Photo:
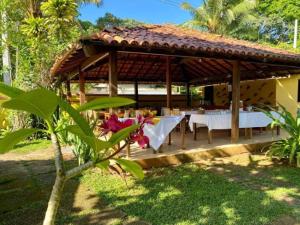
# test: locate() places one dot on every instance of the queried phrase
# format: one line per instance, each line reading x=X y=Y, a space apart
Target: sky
x=147 y=11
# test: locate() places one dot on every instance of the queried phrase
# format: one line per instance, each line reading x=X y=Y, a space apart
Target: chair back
x=165 y=111
x=176 y=112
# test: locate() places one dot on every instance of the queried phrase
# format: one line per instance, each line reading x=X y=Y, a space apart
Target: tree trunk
x=58 y=187
x=5 y=54
x=54 y=201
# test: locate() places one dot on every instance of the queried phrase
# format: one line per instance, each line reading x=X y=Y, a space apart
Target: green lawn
x=239 y=190
x=30 y=146
x=189 y=195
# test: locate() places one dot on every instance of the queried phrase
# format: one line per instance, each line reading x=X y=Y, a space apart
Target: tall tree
x=278 y=19
x=19 y=50
x=6 y=58
x=287 y=9
x=110 y=20
x=6 y=61
x=221 y=16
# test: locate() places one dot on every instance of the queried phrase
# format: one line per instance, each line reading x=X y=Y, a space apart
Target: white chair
x=176 y=112
x=165 y=111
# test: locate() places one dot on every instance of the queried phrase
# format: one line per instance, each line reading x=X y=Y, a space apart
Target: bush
x=288 y=148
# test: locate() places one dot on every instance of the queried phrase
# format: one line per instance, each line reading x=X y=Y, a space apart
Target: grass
x=30 y=146
x=235 y=191
x=188 y=195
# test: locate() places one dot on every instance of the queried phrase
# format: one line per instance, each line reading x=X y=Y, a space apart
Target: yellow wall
x=252 y=93
x=287 y=93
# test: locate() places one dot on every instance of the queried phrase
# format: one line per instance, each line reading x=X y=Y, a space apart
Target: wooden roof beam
x=93 y=60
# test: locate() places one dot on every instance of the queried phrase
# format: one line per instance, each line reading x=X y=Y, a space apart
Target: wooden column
x=168 y=82
x=235 y=102
x=136 y=94
x=112 y=75
x=188 y=95
x=82 y=97
x=68 y=89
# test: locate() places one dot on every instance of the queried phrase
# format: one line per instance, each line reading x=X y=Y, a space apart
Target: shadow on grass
x=189 y=194
x=25 y=188
x=222 y=193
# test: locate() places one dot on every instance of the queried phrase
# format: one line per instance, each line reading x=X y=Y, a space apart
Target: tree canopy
x=289 y=10
x=38 y=31
x=109 y=20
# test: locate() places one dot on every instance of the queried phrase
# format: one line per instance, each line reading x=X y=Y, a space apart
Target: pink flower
x=113 y=124
x=140 y=138
x=144 y=120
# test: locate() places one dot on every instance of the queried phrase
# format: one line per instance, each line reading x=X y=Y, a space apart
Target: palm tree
x=220 y=16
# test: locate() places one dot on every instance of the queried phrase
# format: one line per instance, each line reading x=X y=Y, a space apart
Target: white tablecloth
x=188 y=113
x=220 y=121
x=158 y=133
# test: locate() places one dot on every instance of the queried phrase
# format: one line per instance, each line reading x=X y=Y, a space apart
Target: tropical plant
x=47 y=28
x=287 y=148
x=221 y=16
x=103 y=151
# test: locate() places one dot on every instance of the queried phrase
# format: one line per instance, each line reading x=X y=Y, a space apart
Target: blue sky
x=148 y=11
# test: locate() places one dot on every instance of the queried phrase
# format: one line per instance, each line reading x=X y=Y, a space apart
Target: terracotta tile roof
x=174 y=40
x=170 y=36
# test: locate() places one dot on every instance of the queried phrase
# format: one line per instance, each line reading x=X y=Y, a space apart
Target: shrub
x=287 y=148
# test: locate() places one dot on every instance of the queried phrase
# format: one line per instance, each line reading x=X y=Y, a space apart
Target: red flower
x=113 y=124
x=144 y=120
x=140 y=138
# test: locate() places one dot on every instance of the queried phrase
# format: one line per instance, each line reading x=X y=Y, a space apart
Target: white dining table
x=221 y=120
x=158 y=133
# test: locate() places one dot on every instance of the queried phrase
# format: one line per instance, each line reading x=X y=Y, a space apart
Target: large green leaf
x=131 y=167
x=9 y=91
x=13 y=138
x=40 y=102
x=79 y=120
x=96 y=144
x=122 y=134
x=105 y=103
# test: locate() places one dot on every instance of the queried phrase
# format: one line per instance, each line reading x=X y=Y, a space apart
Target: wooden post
x=68 y=88
x=182 y=132
x=209 y=134
x=170 y=138
x=235 y=102
x=82 y=97
x=168 y=82
x=188 y=95
x=136 y=94
x=194 y=131
x=112 y=76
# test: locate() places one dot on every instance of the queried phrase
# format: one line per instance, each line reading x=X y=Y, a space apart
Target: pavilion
x=168 y=54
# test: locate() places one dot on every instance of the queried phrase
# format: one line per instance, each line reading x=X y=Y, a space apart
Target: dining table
x=161 y=129
x=221 y=120
x=158 y=133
